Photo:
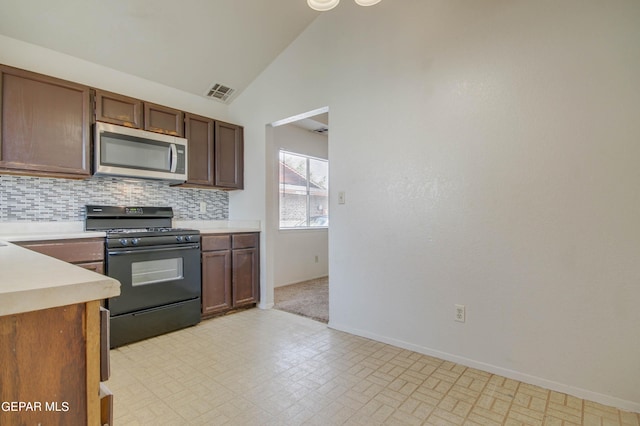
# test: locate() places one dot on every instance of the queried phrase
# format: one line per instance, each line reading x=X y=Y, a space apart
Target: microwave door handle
x=174 y=158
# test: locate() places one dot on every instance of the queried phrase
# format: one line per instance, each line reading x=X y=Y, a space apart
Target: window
x=304 y=191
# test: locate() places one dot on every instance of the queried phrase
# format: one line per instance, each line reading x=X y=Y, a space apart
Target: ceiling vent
x=220 y=92
x=321 y=130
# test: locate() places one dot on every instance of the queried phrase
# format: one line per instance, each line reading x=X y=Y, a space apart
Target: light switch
x=341 y=197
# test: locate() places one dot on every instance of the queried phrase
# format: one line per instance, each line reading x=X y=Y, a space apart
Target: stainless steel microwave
x=124 y=151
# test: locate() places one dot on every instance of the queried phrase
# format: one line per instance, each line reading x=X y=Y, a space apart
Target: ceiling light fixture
x=367 y=2
x=324 y=5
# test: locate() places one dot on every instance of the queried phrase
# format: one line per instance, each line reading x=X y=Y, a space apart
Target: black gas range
x=146 y=237
x=158 y=268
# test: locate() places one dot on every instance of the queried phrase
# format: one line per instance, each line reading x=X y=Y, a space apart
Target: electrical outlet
x=316 y=258
x=203 y=207
x=460 y=313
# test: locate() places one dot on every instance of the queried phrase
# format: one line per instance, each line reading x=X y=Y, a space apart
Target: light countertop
x=36 y=231
x=226 y=230
x=219 y=226
x=31 y=281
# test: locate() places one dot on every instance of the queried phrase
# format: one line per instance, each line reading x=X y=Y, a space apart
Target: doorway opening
x=298 y=189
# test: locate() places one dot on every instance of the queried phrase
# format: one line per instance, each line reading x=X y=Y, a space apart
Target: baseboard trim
x=265 y=305
x=619 y=403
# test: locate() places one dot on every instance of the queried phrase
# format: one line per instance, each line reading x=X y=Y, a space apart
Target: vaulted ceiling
x=188 y=44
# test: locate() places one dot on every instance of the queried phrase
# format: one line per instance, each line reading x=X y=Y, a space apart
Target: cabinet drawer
x=240 y=241
x=215 y=242
x=72 y=251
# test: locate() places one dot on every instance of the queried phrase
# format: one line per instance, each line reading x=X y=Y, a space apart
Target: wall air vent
x=220 y=92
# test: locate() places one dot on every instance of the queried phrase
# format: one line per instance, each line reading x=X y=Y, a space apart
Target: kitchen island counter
x=30 y=281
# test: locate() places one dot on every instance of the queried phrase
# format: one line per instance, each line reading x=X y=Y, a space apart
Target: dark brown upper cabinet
x=118 y=109
x=216 y=153
x=229 y=156
x=199 y=133
x=161 y=119
x=44 y=125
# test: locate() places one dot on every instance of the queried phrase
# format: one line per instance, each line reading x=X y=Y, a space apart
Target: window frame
x=307 y=158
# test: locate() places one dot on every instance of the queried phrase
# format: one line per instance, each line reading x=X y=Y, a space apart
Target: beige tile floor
x=260 y=367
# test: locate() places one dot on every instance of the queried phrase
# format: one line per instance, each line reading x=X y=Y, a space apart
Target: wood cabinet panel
x=72 y=251
x=244 y=276
x=230 y=271
x=216 y=294
x=59 y=353
x=87 y=253
x=229 y=156
x=239 y=241
x=44 y=125
x=199 y=133
x=118 y=109
x=216 y=153
x=215 y=242
x=106 y=406
x=161 y=119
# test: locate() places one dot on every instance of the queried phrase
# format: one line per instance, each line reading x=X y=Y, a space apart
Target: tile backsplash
x=36 y=199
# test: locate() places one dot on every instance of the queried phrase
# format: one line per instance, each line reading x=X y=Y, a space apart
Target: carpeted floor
x=308 y=298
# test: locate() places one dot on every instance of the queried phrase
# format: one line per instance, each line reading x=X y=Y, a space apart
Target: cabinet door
x=161 y=119
x=245 y=276
x=216 y=281
x=118 y=109
x=229 y=156
x=45 y=125
x=199 y=133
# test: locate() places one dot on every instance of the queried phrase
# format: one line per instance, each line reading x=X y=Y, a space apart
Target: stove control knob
x=135 y=241
x=187 y=238
x=124 y=241
x=179 y=238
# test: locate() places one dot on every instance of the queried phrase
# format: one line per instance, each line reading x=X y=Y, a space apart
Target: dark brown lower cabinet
x=87 y=253
x=216 y=282
x=230 y=272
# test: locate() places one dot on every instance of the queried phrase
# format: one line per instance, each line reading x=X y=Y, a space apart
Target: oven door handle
x=141 y=250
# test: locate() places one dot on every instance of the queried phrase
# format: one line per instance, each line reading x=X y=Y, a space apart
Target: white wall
x=489 y=152
x=295 y=250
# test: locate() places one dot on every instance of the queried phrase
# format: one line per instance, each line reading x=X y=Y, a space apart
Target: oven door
x=153 y=276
